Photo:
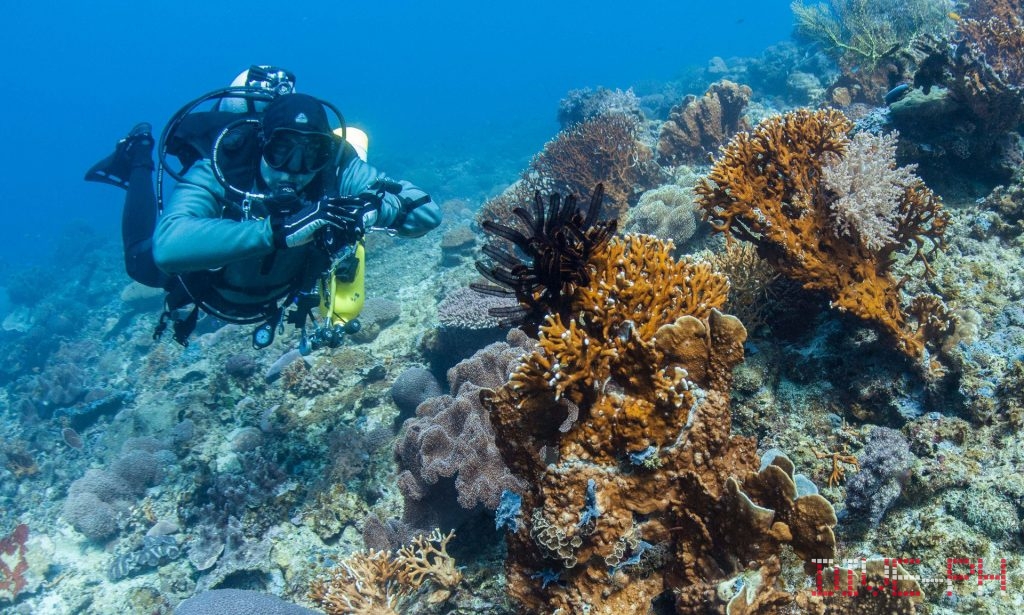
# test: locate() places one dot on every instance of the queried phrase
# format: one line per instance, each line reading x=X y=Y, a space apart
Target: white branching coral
x=384 y=583
x=870 y=189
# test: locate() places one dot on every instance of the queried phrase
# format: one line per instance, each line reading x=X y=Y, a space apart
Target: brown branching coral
x=768 y=189
x=995 y=28
x=384 y=583
x=642 y=370
x=605 y=149
x=697 y=127
x=750 y=282
x=556 y=245
x=839 y=460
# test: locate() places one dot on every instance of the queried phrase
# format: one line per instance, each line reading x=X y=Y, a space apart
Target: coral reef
x=751 y=280
x=239 y=602
x=641 y=372
x=13 y=563
x=465 y=324
x=154 y=551
x=456 y=245
x=603 y=150
x=413 y=387
x=963 y=116
x=96 y=501
x=378 y=314
x=584 y=104
x=385 y=583
x=995 y=29
x=884 y=466
x=768 y=188
x=697 y=127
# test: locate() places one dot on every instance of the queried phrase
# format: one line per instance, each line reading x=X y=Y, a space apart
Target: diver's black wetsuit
x=138 y=220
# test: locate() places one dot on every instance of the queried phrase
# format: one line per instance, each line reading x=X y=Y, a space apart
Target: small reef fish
x=897 y=93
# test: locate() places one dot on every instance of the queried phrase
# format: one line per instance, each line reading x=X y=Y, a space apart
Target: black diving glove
x=293 y=228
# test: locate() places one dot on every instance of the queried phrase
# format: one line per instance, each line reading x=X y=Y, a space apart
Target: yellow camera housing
x=342 y=301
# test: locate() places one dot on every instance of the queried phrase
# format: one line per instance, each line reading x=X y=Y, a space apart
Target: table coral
x=768 y=188
x=641 y=371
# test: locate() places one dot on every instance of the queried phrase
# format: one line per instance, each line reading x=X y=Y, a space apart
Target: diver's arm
x=410 y=213
x=192 y=236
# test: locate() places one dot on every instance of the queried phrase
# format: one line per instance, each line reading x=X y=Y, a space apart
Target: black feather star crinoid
x=549 y=259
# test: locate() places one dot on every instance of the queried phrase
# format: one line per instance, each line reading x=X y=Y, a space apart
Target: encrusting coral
x=619 y=421
x=384 y=583
x=769 y=188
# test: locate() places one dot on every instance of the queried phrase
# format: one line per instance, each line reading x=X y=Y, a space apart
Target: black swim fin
x=134 y=150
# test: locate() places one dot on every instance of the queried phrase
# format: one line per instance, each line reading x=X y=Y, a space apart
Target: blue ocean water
x=444 y=79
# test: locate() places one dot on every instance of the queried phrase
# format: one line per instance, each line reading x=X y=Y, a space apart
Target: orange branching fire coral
x=648 y=494
x=768 y=188
x=384 y=583
x=636 y=296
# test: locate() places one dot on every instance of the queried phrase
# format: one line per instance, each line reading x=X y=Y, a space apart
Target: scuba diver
x=265 y=224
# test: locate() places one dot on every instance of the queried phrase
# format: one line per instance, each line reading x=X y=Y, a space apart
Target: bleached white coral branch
x=870 y=187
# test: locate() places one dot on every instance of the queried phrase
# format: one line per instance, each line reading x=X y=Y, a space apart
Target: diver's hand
x=299 y=228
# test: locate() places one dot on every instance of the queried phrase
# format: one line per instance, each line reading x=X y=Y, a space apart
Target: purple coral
x=412 y=387
x=464 y=309
x=452 y=438
x=884 y=468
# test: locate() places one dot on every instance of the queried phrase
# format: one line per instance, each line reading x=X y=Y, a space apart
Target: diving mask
x=297 y=152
